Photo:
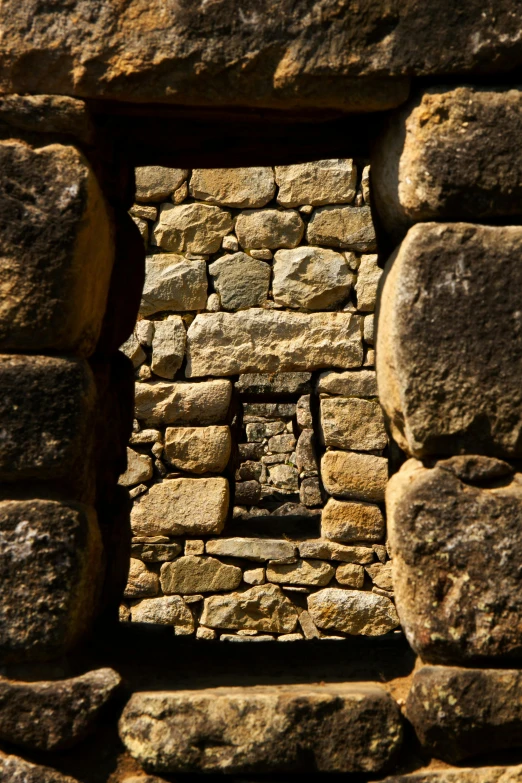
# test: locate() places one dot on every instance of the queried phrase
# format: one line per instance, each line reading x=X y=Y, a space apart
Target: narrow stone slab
x=352 y=383
x=56 y=260
x=183 y=403
x=252 y=548
x=264 y=729
x=461 y=775
x=460 y=713
x=251 y=186
x=456 y=553
x=259 y=340
x=304 y=572
x=50 y=555
x=184 y=506
x=352 y=611
x=56 y=714
x=192 y=575
x=435 y=333
x=261 y=608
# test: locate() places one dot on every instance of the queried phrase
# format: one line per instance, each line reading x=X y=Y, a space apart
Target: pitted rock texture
x=460 y=713
x=446 y=375
x=16 y=770
x=352 y=611
x=311 y=277
x=269 y=228
x=349 y=228
x=456 y=554
x=55 y=714
x=327 y=728
x=182 y=506
x=173 y=282
x=47 y=418
x=266 y=341
x=352 y=423
x=183 y=403
x=50 y=575
x=317 y=183
x=198 y=449
x=450 y=154
x=194 y=228
x=56 y=258
x=261 y=608
x=238 y=187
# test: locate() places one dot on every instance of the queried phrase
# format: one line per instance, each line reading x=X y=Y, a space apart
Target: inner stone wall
x=258 y=461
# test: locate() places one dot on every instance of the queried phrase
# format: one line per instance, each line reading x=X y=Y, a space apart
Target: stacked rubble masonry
x=258 y=460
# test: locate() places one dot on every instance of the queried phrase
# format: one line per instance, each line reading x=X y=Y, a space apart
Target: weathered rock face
x=56 y=261
x=311 y=277
x=262 y=608
x=165 y=610
x=183 y=403
x=476 y=775
x=16 y=770
x=368 y=277
x=448 y=554
x=141 y=582
x=446 y=376
x=189 y=506
x=198 y=449
x=269 y=228
x=317 y=183
x=353 y=383
x=267 y=341
x=48 y=114
x=55 y=444
x=303 y=572
x=458 y=713
x=49 y=557
x=240 y=281
x=196 y=228
x=173 y=282
x=450 y=155
x=348 y=474
x=157 y=183
x=168 y=346
x=55 y=714
x=191 y=575
x=352 y=423
x=352 y=611
x=350 y=228
x=330 y=728
x=319 y=548
x=139 y=468
x=252 y=548
x=345 y=520
x=238 y=187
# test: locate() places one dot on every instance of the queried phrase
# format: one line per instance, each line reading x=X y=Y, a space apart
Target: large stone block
x=311 y=277
x=55 y=714
x=352 y=423
x=355 y=612
x=57 y=256
x=267 y=341
x=194 y=228
x=50 y=575
x=198 y=449
x=331 y=728
x=173 y=282
x=234 y=187
x=456 y=554
x=47 y=418
x=269 y=228
x=458 y=713
x=349 y=228
x=182 y=506
x=319 y=182
x=448 y=340
x=450 y=154
x=348 y=474
x=261 y=608
x=183 y=403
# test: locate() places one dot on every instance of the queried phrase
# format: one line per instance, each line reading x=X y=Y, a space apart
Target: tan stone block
x=348 y=474
x=165 y=610
x=168 y=346
x=349 y=228
x=268 y=341
x=192 y=575
x=157 y=183
x=311 y=277
x=353 y=423
x=196 y=228
x=352 y=611
x=304 y=572
x=368 y=277
x=183 y=403
x=252 y=548
x=318 y=182
x=352 y=383
x=269 y=228
x=329 y=550
x=141 y=581
x=139 y=468
x=198 y=449
x=381 y=575
x=182 y=507
x=263 y=608
x=345 y=520
x=173 y=282
x=350 y=575
x=240 y=281
x=234 y=187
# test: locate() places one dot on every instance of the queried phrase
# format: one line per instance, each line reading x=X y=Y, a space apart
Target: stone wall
x=258 y=461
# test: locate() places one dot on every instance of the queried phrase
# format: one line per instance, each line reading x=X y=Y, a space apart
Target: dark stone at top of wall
x=56 y=114
x=286 y=54
x=450 y=154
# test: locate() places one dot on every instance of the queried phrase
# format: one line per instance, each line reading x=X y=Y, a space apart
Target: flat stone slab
x=477 y=775
x=327 y=728
x=16 y=770
x=460 y=713
x=456 y=551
